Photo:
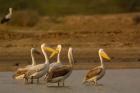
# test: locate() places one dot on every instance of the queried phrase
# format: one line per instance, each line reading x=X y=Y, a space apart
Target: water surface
x=114 y=81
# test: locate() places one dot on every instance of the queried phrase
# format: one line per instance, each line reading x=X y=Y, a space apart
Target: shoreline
x=85 y=58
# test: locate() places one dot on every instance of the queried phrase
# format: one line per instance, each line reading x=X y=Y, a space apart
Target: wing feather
x=36 y=69
x=59 y=71
x=93 y=72
x=20 y=72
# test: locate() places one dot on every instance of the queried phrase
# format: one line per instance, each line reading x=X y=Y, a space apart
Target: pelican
x=7 y=17
x=58 y=62
x=37 y=71
x=61 y=73
x=21 y=71
x=98 y=72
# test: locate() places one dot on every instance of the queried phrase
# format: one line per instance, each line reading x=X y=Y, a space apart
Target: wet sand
x=115 y=81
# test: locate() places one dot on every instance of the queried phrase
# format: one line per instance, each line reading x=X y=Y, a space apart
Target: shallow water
x=114 y=81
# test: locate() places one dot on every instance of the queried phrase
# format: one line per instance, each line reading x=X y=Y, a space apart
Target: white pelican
x=37 y=71
x=61 y=73
x=58 y=62
x=7 y=17
x=98 y=72
x=21 y=71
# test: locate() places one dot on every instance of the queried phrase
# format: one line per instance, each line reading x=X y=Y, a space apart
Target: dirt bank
x=117 y=34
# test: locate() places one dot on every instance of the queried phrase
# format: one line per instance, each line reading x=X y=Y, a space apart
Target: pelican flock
x=98 y=72
x=7 y=17
x=57 y=72
x=33 y=71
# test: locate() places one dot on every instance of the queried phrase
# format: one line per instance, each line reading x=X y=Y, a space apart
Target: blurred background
x=70 y=7
x=86 y=25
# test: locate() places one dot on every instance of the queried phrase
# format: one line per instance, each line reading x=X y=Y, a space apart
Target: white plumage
x=37 y=71
x=97 y=72
x=59 y=74
x=21 y=71
x=58 y=62
x=7 y=17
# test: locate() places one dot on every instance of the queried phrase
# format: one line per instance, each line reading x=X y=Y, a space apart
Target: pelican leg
x=63 y=83
x=94 y=83
x=31 y=80
x=26 y=80
x=38 y=81
x=58 y=83
x=45 y=77
x=47 y=83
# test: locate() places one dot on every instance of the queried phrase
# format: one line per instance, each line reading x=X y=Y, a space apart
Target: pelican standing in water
x=98 y=72
x=21 y=71
x=37 y=71
x=61 y=73
x=58 y=62
x=7 y=17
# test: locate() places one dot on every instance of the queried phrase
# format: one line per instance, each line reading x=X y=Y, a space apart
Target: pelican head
x=103 y=54
x=59 y=47
x=43 y=45
x=35 y=50
x=54 y=51
x=57 y=50
x=10 y=10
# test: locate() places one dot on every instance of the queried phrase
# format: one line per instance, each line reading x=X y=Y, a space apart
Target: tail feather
x=20 y=77
x=4 y=20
